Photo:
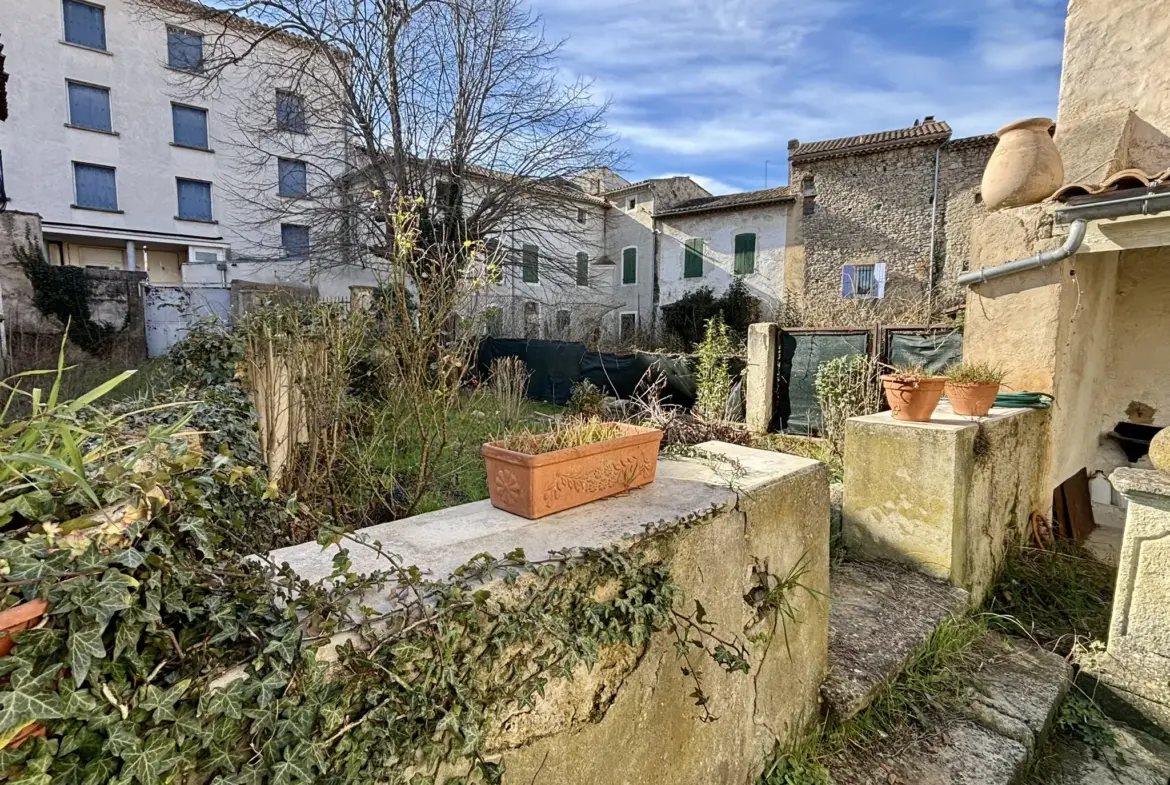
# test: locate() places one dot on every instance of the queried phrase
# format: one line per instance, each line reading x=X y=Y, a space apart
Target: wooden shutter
x=630 y=265
x=693 y=260
x=745 y=254
x=582 y=268
x=848 y=281
x=530 y=264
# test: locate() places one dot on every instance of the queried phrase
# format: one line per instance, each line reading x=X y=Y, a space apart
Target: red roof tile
x=709 y=204
x=1121 y=181
x=923 y=133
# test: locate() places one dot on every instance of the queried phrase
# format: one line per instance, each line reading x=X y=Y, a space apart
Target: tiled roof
x=710 y=204
x=201 y=11
x=923 y=133
x=1122 y=181
x=645 y=183
x=983 y=140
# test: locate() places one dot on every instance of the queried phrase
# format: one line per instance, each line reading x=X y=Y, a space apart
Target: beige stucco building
x=1092 y=329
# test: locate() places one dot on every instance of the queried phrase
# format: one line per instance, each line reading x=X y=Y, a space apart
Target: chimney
x=793 y=144
x=928 y=119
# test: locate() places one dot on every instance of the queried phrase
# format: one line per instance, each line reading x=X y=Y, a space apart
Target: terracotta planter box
x=972 y=400
x=534 y=486
x=13 y=621
x=913 y=401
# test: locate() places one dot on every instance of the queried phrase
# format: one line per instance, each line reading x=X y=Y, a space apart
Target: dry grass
x=976 y=373
x=567 y=433
x=508 y=382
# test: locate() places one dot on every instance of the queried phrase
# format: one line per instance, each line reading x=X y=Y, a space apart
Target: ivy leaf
x=162 y=702
x=149 y=762
x=35 y=644
x=270 y=686
x=228 y=701
x=287 y=647
x=122 y=739
x=27 y=698
x=126 y=638
x=100 y=771
x=85 y=644
x=289 y=772
x=131 y=558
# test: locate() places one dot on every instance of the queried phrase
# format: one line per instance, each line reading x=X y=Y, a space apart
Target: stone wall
x=114 y=337
x=717 y=524
x=878 y=207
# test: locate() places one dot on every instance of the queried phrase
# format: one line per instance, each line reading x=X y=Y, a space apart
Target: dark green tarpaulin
x=935 y=351
x=795 y=409
x=555 y=366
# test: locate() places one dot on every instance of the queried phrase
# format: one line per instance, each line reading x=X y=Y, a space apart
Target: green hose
x=1024 y=400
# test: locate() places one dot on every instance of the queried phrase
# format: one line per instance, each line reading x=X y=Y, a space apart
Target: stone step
x=990 y=739
x=879 y=614
x=1135 y=758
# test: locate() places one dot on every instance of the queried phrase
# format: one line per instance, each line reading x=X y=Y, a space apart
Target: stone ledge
x=1130 y=481
x=943 y=419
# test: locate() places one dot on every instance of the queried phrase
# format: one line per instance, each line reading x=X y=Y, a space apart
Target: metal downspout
x=1076 y=236
x=933 y=231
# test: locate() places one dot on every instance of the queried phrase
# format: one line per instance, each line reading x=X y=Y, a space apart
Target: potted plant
x=579 y=461
x=912 y=392
x=971 y=387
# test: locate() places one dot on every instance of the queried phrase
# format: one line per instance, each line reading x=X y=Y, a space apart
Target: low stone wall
x=948 y=496
x=719 y=524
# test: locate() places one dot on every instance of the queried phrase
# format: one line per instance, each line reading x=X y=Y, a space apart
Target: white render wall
x=718 y=231
x=39 y=149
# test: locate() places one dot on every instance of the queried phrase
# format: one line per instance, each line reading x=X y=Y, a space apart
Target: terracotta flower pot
x=17 y=619
x=534 y=486
x=972 y=400
x=913 y=401
x=1025 y=168
x=13 y=621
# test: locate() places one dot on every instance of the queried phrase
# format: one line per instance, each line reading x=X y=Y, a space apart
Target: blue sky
x=713 y=88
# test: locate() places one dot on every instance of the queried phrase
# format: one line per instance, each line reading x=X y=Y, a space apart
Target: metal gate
x=171 y=312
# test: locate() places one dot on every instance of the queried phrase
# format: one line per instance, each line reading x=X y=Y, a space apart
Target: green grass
x=805 y=447
x=1058 y=597
x=933 y=680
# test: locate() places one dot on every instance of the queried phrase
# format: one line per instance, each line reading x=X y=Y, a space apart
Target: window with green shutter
x=630 y=265
x=745 y=253
x=530 y=264
x=582 y=268
x=693 y=261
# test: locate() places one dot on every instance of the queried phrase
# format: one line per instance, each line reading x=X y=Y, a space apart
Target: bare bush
x=508 y=383
x=846 y=387
x=678 y=426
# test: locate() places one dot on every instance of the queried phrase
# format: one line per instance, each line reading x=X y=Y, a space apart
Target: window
x=629 y=266
x=808 y=187
x=294 y=177
x=582 y=268
x=190 y=126
x=693 y=258
x=446 y=193
x=810 y=206
x=184 y=49
x=745 y=253
x=493 y=319
x=627 y=326
x=294 y=239
x=531 y=320
x=290 y=112
x=582 y=215
x=632 y=203
x=564 y=319
x=85 y=24
x=530 y=264
x=194 y=200
x=863 y=280
x=95 y=187
x=89 y=107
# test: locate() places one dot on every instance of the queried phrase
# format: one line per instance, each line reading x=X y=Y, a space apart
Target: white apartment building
x=131 y=165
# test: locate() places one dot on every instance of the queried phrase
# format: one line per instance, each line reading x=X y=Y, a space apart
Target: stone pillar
x=947 y=496
x=131 y=255
x=760 y=376
x=1137 y=661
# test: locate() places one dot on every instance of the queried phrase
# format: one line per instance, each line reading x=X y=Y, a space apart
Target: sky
x=716 y=88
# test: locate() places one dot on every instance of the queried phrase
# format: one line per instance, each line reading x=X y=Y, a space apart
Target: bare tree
x=452 y=107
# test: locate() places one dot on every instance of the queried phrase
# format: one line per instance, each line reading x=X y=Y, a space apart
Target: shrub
x=712 y=377
x=587 y=399
x=687 y=318
x=209 y=354
x=846 y=387
x=508 y=383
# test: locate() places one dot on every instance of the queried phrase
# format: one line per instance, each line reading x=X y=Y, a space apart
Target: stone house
x=884 y=222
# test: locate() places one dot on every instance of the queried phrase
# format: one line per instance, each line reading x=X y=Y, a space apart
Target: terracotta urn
x=534 y=486
x=1160 y=450
x=913 y=400
x=1025 y=168
x=972 y=400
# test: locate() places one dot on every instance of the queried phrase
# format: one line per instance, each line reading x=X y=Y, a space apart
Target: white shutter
x=879 y=279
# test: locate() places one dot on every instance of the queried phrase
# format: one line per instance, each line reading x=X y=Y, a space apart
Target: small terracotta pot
x=17 y=619
x=1025 y=168
x=534 y=486
x=13 y=621
x=972 y=400
x=913 y=401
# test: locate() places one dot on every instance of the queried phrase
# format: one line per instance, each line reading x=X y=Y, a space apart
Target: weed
x=712 y=377
x=795 y=768
x=805 y=447
x=846 y=387
x=564 y=435
x=1057 y=597
x=976 y=373
x=587 y=399
x=508 y=382
x=1081 y=718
